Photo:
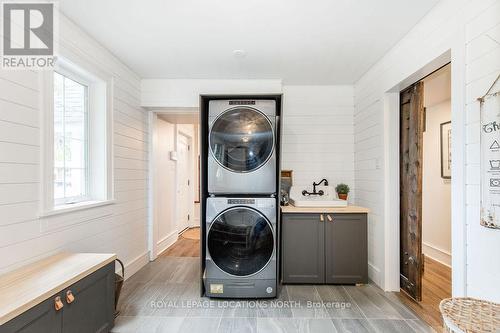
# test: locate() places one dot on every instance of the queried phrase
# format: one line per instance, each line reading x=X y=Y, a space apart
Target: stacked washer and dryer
x=240 y=202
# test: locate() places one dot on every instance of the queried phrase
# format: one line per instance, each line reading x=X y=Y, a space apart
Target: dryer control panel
x=241 y=201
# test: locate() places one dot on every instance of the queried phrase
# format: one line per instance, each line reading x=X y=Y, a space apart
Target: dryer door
x=241 y=139
x=240 y=241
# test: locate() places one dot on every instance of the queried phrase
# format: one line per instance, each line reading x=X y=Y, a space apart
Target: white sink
x=328 y=199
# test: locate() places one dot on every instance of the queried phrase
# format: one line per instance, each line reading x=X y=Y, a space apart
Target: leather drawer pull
x=58 y=304
x=321 y=218
x=329 y=218
x=70 y=298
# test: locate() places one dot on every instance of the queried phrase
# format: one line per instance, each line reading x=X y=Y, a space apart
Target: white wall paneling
x=164 y=93
x=318 y=132
x=482 y=49
x=119 y=228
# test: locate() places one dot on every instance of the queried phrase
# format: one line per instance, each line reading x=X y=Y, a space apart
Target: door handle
x=330 y=219
x=58 y=304
x=321 y=218
x=70 y=298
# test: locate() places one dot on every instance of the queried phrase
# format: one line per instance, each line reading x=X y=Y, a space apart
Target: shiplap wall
x=318 y=134
x=120 y=228
x=482 y=33
x=476 y=23
x=178 y=93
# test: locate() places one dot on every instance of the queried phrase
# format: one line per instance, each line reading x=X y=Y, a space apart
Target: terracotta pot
x=342 y=196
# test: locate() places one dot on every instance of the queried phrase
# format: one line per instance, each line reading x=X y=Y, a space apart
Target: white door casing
x=184 y=182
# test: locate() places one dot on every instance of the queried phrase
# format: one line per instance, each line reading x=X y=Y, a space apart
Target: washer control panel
x=241 y=201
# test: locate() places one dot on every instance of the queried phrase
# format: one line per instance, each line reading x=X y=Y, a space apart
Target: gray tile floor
x=164 y=297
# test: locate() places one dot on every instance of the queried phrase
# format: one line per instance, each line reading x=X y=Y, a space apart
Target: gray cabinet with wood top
x=85 y=306
x=324 y=248
x=346 y=252
x=302 y=249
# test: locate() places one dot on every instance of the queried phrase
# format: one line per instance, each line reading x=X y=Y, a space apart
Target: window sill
x=65 y=209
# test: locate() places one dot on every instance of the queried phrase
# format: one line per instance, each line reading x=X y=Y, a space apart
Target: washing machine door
x=241 y=139
x=240 y=241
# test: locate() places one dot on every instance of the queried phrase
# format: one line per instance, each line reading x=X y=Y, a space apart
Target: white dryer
x=242 y=151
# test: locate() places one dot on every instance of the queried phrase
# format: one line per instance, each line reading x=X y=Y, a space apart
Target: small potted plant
x=342 y=191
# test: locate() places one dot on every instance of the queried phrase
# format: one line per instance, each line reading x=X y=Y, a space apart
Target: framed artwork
x=446 y=150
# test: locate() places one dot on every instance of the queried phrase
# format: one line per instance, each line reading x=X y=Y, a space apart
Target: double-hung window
x=71 y=140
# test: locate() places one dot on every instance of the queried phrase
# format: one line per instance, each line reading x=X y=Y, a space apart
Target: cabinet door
x=93 y=307
x=303 y=248
x=40 y=318
x=346 y=248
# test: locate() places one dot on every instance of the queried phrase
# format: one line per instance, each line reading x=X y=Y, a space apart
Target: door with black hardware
x=411 y=158
x=303 y=248
x=346 y=259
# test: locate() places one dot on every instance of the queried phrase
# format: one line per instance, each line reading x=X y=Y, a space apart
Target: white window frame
x=87 y=197
x=100 y=190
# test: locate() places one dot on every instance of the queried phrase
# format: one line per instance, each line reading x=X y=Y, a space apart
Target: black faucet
x=320 y=192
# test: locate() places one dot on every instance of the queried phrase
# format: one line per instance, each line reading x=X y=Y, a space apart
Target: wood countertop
x=325 y=210
x=23 y=288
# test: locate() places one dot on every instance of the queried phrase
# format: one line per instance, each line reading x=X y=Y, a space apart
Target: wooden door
x=303 y=248
x=411 y=157
x=346 y=249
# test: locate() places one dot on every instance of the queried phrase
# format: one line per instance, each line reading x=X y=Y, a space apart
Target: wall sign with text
x=490 y=158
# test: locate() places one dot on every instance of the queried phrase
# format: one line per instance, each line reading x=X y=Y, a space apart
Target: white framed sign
x=490 y=158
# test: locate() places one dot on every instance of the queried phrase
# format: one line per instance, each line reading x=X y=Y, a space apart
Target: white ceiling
x=301 y=42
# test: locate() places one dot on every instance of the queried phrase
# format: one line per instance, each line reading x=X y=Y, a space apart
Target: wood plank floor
x=436 y=285
x=184 y=247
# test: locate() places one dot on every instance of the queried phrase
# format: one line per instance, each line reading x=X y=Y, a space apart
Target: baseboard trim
x=436 y=254
x=374 y=275
x=135 y=265
x=167 y=242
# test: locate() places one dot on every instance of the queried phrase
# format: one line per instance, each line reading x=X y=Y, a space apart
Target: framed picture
x=446 y=150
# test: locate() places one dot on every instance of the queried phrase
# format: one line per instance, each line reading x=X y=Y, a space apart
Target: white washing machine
x=242 y=151
x=240 y=248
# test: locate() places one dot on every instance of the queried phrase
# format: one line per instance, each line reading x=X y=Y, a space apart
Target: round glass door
x=241 y=139
x=240 y=241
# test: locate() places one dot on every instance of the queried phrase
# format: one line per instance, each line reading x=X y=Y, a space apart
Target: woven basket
x=470 y=315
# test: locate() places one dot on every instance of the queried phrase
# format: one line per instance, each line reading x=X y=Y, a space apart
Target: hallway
x=188 y=245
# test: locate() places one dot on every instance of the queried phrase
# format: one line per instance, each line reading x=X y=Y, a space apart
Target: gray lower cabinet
x=303 y=245
x=324 y=248
x=41 y=318
x=346 y=252
x=92 y=309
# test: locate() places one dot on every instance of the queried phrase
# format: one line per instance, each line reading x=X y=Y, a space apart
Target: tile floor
x=164 y=297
